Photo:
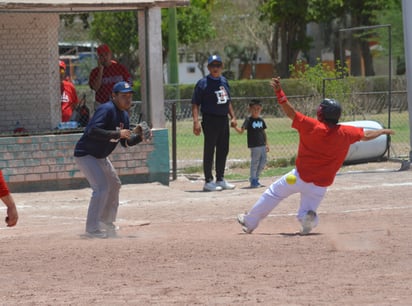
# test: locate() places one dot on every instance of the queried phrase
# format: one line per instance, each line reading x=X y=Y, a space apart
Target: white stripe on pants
x=310 y=198
x=105 y=184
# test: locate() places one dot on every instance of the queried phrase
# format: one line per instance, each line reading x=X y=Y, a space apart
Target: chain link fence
x=187 y=148
x=28 y=48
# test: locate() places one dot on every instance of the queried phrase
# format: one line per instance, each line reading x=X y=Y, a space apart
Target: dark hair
x=255 y=102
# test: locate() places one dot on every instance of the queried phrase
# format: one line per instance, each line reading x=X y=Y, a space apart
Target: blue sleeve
x=100 y=126
x=197 y=93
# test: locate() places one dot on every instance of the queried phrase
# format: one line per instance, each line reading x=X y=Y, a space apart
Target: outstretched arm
x=372 y=134
x=287 y=108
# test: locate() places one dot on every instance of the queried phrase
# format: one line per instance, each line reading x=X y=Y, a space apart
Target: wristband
x=281 y=96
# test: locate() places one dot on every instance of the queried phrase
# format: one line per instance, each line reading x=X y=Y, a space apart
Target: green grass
x=281 y=137
x=283 y=142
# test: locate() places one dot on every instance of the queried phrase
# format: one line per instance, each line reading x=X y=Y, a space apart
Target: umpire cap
x=329 y=111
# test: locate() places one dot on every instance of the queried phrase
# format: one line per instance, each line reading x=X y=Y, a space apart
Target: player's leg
x=276 y=192
x=109 y=209
x=311 y=197
x=254 y=165
x=262 y=161
x=222 y=146
x=210 y=138
x=93 y=170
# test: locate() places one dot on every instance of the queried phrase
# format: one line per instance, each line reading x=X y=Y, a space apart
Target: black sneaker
x=97 y=234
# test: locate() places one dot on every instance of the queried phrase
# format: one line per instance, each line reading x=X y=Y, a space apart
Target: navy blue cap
x=214 y=58
x=122 y=87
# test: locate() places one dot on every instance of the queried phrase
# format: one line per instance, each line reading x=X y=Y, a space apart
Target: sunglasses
x=215 y=65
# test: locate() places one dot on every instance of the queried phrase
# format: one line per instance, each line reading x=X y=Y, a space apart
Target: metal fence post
x=174 y=140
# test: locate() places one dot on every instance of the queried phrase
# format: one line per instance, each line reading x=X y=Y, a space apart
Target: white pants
x=310 y=198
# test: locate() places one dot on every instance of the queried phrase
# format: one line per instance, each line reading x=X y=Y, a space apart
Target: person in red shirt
x=106 y=74
x=69 y=99
x=323 y=146
x=7 y=199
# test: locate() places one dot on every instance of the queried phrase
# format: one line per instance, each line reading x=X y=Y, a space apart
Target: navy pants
x=216 y=140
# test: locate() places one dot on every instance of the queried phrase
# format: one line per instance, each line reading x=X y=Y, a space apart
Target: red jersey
x=322 y=148
x=111 y=75
x=4 y=190
x=68 y=99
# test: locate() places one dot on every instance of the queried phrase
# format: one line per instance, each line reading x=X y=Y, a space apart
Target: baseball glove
x=143 y=130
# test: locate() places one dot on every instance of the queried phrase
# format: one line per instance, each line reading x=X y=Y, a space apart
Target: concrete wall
x=29 y=76
x=40 y=163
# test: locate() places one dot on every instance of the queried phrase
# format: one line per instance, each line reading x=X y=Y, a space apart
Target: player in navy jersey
x=108 y=126
x=211 y=99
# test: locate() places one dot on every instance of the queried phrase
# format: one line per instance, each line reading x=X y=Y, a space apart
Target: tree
x=393 y=16
x=289 y=18
x=340 y=14
x=119 y=30
x=194 y=27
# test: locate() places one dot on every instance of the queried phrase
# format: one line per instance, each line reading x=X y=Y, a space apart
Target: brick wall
x=29 y=76
x=39 y=163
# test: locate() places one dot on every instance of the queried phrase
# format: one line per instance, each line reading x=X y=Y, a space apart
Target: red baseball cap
x=103 y=49
x=62 y=65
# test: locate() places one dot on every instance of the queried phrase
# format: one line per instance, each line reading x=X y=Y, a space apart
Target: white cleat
x=241 y=220
x=308 y=222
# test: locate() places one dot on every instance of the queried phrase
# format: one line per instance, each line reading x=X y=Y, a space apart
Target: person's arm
x=233 y=122
x=239 y=130
x=372 y=134
x=96 y=79
x=12 y=215
x=287 y=108
x=266 y=141
x=196 y=124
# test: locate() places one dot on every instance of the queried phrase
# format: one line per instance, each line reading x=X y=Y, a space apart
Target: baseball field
x=178 y=245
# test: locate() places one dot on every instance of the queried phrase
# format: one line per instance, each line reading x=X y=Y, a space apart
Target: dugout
x=30 y=89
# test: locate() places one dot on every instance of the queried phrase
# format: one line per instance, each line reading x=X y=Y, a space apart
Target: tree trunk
x=355 y=58
x=367 y=58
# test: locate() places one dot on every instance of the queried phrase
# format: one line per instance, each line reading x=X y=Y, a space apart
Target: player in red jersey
x=323 y=146
x=69 y=99
x=106 y=74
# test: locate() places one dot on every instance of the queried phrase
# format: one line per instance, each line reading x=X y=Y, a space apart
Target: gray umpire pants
x=105 y=184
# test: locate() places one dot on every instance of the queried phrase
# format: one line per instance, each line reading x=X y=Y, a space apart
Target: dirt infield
x=180 y=246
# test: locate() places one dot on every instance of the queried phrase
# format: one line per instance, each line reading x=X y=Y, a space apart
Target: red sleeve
x=301 y=120
x=4 y=190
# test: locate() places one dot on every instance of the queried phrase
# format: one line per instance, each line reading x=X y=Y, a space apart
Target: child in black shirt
x=256 y=141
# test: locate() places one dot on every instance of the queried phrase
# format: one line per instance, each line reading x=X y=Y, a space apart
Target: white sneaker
x=211 y=186
x=241 y=220
x=225 y=185
x=308 y=222
x=109 y=226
